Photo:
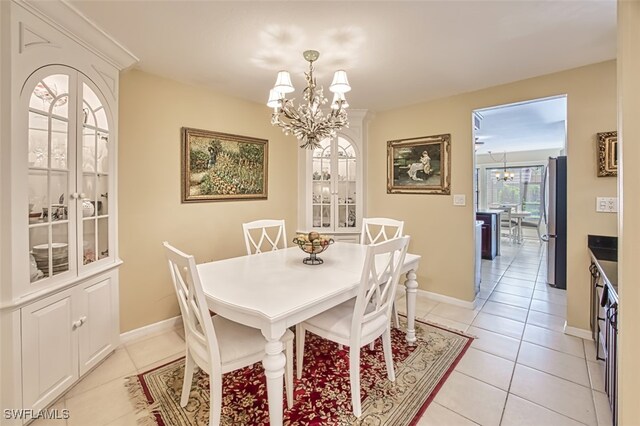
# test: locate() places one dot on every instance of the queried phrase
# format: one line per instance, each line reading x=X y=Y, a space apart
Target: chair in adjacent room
x=360 y=321
x=267 y=234
x=377 y=229
x=509 y=224
x=215 y=344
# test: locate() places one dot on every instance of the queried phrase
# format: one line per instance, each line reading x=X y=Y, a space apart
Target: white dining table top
x=274 y=285
x=513 y=214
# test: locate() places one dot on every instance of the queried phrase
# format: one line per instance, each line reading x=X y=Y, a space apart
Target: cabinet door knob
x=74 y=195
x=76 y=324
x=82 y=195
x=83 y=319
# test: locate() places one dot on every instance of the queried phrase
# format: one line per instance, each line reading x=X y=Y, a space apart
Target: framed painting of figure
x=419 y=165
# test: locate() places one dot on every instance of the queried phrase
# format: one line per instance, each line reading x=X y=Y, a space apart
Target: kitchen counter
x=604 y=310
x=604 y=254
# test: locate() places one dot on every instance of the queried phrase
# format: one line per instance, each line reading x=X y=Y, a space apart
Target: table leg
x=273 y=362
x=411 y=286
x=520 y=230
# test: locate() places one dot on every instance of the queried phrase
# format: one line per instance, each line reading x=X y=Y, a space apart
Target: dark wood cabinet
x=490 y=234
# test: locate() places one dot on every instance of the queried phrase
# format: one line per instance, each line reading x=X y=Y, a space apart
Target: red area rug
x=322 y=396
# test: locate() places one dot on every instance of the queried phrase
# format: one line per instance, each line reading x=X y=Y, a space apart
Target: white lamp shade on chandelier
x=308 y=122
x=339 y=99
x=275 y=98
x=283 y=83
x=340 y=83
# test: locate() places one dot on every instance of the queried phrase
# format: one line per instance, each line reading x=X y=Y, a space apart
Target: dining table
x=273 y=291
x=518 y=216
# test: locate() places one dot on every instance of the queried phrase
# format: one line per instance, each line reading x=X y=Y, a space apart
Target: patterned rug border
x=137 y=383
x=444 y=378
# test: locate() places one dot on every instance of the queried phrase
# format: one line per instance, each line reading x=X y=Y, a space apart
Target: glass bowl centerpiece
x=312 y=243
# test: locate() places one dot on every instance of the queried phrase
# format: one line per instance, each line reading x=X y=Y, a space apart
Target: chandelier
x=505 y=176
x=308 y=122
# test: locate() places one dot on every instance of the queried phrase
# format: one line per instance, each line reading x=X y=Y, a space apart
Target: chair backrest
x=505 y=216
x=386 y=229
x=199 y=333
x=380 y=276
x=271 y=234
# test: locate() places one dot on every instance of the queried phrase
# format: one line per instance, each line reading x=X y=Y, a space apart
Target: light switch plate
x=459 y=200
x=606 y=204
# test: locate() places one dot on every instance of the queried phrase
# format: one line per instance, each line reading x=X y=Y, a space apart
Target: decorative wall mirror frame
x=607 y=154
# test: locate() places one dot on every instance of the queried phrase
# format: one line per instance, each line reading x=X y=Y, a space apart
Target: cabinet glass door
x=346 y=184
x=50 y=176
x=94 y=160
x=322 y=194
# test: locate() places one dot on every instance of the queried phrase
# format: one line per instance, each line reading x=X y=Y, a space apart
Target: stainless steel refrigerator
x=555 y=213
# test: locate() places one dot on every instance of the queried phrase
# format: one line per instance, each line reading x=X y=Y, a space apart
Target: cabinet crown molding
x=65 y=17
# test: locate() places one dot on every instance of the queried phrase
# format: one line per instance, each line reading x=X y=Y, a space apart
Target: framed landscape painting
x=419 y=165
x=608 y=154
x=222 y=167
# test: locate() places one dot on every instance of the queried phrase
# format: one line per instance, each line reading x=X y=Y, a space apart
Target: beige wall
x=442 y=233
x=629 y=229
x=152 y=111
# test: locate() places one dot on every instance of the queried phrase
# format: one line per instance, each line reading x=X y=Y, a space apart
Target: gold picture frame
x=607 y=154
x=419 y=165
x=223 y=167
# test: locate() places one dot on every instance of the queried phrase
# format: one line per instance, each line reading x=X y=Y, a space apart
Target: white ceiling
x=396 y=53
x=526 y=126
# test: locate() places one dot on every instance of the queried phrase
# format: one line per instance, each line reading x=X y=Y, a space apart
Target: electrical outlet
x=607 y=204
x=459 y=200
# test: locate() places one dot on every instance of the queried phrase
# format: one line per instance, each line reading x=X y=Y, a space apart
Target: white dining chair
x=272 y=233
x=361 y=320
x=508 y=223
x=215 y=344
x=377 y=229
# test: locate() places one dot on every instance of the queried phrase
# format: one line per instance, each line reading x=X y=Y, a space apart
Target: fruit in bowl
x=313 y=243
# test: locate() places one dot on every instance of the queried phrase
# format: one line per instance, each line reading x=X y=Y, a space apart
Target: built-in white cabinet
x=58 y=200
x=67 y=334
x=70 y=176
x=50 y=366
x=331 y=179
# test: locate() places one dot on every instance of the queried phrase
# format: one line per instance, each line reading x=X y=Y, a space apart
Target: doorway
x=516 y=146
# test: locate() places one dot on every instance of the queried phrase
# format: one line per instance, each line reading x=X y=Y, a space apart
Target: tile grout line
x=515 y=364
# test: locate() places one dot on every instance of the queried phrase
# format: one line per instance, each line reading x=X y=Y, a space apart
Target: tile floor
x=520 y=370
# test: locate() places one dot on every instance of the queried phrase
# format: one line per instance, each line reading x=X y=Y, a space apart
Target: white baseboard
x=447 y=299
x=150 y=330
x=577 y=332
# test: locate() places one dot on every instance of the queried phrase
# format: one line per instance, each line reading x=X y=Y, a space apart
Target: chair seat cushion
x=336 y=322
x=237 y=341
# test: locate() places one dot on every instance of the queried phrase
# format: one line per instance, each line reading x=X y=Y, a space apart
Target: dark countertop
x=604 y=253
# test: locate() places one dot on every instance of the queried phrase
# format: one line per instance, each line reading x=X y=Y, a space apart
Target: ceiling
x=527 y=126
x=395 y=52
